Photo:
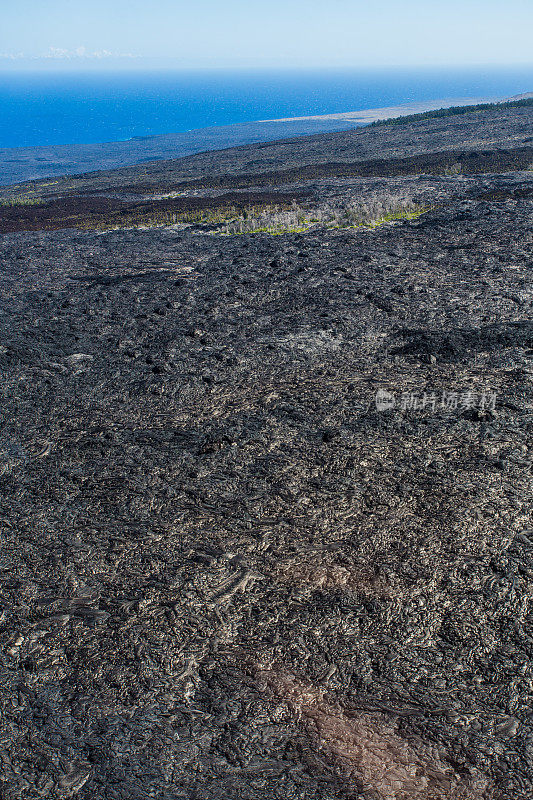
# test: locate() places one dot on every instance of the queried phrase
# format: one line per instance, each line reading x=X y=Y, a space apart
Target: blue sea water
x=53 y=108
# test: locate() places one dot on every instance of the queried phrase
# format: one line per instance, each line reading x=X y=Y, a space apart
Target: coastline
x=20 y=164
x=367 y=116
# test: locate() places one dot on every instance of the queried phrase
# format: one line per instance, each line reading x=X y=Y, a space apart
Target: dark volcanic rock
x=265 y=507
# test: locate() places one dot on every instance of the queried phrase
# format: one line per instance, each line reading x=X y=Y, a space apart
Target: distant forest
x=454 y=110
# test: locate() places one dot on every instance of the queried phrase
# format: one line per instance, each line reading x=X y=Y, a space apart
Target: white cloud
x=62 y=54
x=12 y=56
x=82 y=52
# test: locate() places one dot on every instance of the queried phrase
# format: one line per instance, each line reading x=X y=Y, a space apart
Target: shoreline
x=366 y=116
x=22 y=164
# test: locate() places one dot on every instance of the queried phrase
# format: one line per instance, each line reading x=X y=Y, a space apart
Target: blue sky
x=271 y=33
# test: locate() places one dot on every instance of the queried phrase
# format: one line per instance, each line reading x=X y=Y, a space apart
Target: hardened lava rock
x=226 y=572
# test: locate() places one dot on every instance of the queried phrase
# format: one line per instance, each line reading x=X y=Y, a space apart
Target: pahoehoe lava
x=227 y=570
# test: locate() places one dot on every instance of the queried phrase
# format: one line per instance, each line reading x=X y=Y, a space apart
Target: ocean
x=58 y=108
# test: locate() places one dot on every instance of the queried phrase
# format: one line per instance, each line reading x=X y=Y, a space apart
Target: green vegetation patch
x=273 y=219
x=297 y=219
x=20 y=200
x=202 y=217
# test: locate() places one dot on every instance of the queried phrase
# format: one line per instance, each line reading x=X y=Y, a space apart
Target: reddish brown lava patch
x=365 y=749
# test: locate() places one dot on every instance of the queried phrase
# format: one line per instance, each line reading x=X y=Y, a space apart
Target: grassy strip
x=224 y=215
x=20 y=200
x=272 y=219
x=368 y=214
x=278 y=231
x=452 y=111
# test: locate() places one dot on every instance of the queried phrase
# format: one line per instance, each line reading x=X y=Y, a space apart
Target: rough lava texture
x=226 y=573
x=497 y=131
